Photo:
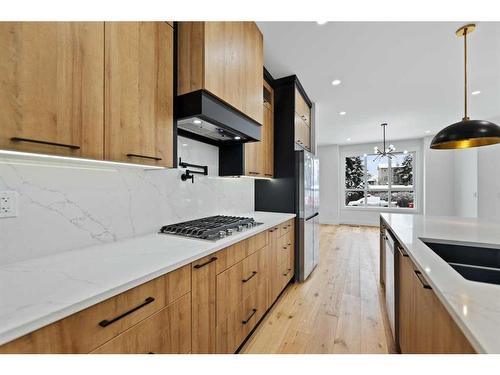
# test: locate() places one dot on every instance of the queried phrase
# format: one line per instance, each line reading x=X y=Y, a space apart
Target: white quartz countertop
x=37 y=292
x=474 y=306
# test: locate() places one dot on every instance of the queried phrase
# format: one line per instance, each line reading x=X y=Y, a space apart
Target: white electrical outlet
x=8 y=204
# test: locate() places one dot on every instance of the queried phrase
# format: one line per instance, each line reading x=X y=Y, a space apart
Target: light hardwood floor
x=339 y=309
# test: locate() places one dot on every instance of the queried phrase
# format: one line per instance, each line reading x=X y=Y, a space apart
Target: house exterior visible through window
x=372 y=181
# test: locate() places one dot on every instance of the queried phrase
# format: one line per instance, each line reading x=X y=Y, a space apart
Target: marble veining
x=65 y=206
x=474 y=306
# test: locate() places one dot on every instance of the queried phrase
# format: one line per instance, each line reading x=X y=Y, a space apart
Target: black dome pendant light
x=466 y=133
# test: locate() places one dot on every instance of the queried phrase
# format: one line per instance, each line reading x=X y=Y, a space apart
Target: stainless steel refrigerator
x=307 y=172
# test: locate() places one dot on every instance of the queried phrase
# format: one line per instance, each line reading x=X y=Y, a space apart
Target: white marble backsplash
x=64 y=206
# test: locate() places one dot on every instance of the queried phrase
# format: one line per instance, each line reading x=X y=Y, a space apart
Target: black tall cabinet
x=279 y=194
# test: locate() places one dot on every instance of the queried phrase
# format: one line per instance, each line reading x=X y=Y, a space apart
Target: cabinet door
x=268 y=142
x=274 y=265
x=166 y=332
x=406 y=306
x=234 y=59
x=302 y=108
x=302 y=133
x=254 y=158
x=203 y=284
x=241 y=300
x=139 y=92
x=51 y=87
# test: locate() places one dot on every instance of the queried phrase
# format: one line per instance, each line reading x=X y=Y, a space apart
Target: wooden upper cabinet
x=268 y=130
x=139 y=92
x=259 y=156
x=51 y=87
x=225 y=59
x=302 y=108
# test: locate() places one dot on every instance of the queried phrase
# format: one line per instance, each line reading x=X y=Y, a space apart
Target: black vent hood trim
x=203 y=105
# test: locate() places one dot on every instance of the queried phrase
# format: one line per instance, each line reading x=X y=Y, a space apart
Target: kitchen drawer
x=235 y=325
x=166 y=332
x=257 y=242
x=87 y=329
x=230 y=255
x=239 y=281
x=286 y=227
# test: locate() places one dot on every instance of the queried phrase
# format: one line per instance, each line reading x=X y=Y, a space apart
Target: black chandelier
x=386 y=151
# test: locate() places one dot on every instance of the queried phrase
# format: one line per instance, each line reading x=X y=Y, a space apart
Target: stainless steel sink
x=474 y=263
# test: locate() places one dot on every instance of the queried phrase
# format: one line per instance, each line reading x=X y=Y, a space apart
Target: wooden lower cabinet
x=166 y=332
x=241 y=300
x=425 y=326
x=86 y=330
x=203 y=283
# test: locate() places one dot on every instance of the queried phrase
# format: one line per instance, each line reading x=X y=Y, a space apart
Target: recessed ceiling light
x=336 y=82
x=184 y=145
x=405 y=152
x=237 y=137
x=348 y=139
x=477 y=92
x=197 y=122
x=321 y=22
x=427 y=131
x=342 y=113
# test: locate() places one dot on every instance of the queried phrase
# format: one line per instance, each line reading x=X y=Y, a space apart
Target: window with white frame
x=373 y=181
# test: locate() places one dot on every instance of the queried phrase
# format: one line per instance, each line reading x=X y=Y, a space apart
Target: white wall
x=439 y=175
x=328 y=182
x=489 y=182
x=67 y=205
x=466 y=182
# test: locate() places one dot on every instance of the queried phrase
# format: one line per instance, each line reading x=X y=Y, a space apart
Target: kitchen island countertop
x=474 y=306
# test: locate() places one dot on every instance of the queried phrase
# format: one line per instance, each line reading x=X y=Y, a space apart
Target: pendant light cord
x=465 y=74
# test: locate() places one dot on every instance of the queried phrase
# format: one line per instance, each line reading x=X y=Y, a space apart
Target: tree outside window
x=371 y=181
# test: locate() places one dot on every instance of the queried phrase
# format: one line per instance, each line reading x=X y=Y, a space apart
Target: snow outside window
x=371 y=181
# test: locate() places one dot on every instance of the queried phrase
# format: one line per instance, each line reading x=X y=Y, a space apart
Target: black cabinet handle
x=269 y=175
x=287 y=272
x=285 y=247
x=213 y=259
x=421 y=279
x=144 y=157
x=249 y=317
x=105 y=322
x=249 y=277
x=19 y=139
x=272 y=230
x=402 y=252
x=256 y=173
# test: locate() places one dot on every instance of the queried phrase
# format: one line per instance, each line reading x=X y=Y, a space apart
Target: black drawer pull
x=272 y=230
x=144 y=157
x=402 y=252
x=19 y=139
x=105 y=322
x=249 y=317
x=285 y=247
x=213 y=259
x=249 y=277
x=421 y=279
x=287 y=272
x=269 y=175
x=253 y=173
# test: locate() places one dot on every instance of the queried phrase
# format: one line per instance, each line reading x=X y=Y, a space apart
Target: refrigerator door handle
x=312 y=216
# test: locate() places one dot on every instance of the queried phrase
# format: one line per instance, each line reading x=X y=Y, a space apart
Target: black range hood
x=202 y=116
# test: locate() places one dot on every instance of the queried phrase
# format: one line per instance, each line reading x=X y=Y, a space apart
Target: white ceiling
x=408 y=74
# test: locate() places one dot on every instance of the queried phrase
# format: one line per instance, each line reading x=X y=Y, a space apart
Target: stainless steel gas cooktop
x=210 y=228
